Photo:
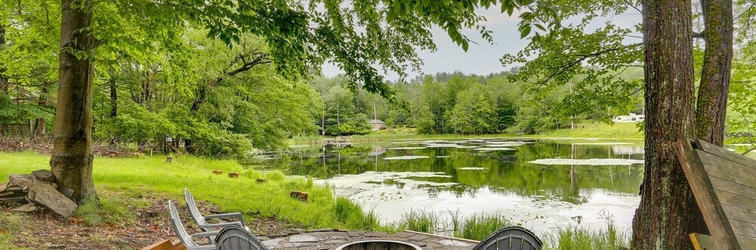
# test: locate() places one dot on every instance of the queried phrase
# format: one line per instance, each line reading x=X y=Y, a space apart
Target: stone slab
x=300 y=238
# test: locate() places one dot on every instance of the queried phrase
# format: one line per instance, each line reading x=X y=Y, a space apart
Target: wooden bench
x=724 y=184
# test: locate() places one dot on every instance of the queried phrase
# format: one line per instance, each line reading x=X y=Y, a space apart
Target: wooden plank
x=740 y=213
x=49 y=197
x=747 y=242
x=702 y=241
x=744 y=228
x=728 y=170
x=159 y=245
x=724 y=185
x=727 y=199
x=724 y=153
x=713 y=214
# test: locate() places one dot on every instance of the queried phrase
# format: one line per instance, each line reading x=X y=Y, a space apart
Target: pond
x=540 y=185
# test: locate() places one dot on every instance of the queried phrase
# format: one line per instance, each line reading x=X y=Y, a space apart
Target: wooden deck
x=724 y=184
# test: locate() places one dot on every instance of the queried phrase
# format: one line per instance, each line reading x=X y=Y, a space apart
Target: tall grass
x=352 y=215
x=573 y=238
x=420 y=220
x=477 y=227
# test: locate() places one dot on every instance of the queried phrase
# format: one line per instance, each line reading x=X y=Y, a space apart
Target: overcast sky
x=482 y=58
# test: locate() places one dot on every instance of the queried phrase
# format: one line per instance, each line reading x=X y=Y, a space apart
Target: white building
x=633 y=117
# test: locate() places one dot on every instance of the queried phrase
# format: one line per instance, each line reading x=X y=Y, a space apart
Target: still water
x=539 y=184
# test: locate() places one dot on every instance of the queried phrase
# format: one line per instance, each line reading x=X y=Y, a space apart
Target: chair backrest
x=511 y=238
x=193 y=210
x=236 y=238
x=178 y=227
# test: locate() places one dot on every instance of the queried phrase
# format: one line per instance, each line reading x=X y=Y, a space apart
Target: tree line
x=456 y=103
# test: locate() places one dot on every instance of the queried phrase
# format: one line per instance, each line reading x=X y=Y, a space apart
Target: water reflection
x=489 y=174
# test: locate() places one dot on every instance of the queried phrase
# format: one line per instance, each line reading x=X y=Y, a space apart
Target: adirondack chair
x=510 y=238
x=202 y=220
x=186 y=238
x=237 y=238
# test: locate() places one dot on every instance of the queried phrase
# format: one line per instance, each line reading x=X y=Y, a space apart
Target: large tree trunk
x=668 y=211
x=71 y=161
x=715 y=76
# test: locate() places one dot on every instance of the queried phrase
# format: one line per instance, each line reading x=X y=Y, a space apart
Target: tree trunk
x=715 y=75
x=40 y=127
x=3 y=80
x=667 y=211
x=113 y=98
x=71 y=161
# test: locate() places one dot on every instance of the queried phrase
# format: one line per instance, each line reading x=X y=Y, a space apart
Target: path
x=327 y=239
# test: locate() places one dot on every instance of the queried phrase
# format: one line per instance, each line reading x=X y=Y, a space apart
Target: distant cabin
x=376 y=124
x=630 y=118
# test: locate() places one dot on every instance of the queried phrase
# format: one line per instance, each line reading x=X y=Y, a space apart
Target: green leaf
x=525 y=32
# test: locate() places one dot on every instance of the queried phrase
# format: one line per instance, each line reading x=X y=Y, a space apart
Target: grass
x=597 y=130
x=132 y=177
x=10 y=228
x=583 y=130
x=584 y=239
x=477 y=227
x=419 y=220
x=152 y=174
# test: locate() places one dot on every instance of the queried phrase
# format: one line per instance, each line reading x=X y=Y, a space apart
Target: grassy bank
x=122 y=181
x=597 y=130
x=151 y=174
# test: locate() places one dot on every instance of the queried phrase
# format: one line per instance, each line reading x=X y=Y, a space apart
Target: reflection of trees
x=502 y=171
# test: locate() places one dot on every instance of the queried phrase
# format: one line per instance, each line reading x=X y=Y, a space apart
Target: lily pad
x=407 y=157
x=495 y=149
x=587 y=162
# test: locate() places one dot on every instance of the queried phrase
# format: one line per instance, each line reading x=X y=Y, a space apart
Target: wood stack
x=39 y=187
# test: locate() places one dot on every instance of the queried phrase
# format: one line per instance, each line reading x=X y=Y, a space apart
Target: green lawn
x=152 y=174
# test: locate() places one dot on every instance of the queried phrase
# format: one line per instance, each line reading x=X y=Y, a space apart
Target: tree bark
x=113 y=98
x=71 y=161
x=715 y=75
x=43 y=97
x=668 y=210
x=3 y=80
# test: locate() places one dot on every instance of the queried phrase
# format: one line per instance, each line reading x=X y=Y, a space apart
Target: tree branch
x=583 y=57
x=633 y=6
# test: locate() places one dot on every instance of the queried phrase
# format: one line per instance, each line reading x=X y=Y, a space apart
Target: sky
x=482 y=58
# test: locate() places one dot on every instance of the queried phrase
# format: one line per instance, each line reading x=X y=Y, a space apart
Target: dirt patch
x=44 y=229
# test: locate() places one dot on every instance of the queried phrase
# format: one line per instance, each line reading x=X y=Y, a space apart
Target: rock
x=6 y=194
x=28 y=207
x=21 y=180
x=49 y=197
x=43 y=175
x=3 y=186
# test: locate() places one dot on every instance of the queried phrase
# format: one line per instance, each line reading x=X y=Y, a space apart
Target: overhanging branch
x=582 y=57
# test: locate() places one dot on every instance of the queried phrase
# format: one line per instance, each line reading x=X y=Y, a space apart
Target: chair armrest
x=208 y=234
x=234 y=215
x=222 y=224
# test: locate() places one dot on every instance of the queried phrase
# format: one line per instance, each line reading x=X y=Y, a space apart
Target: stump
x=217 y=172
x=233 y=175
x=300 y=195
